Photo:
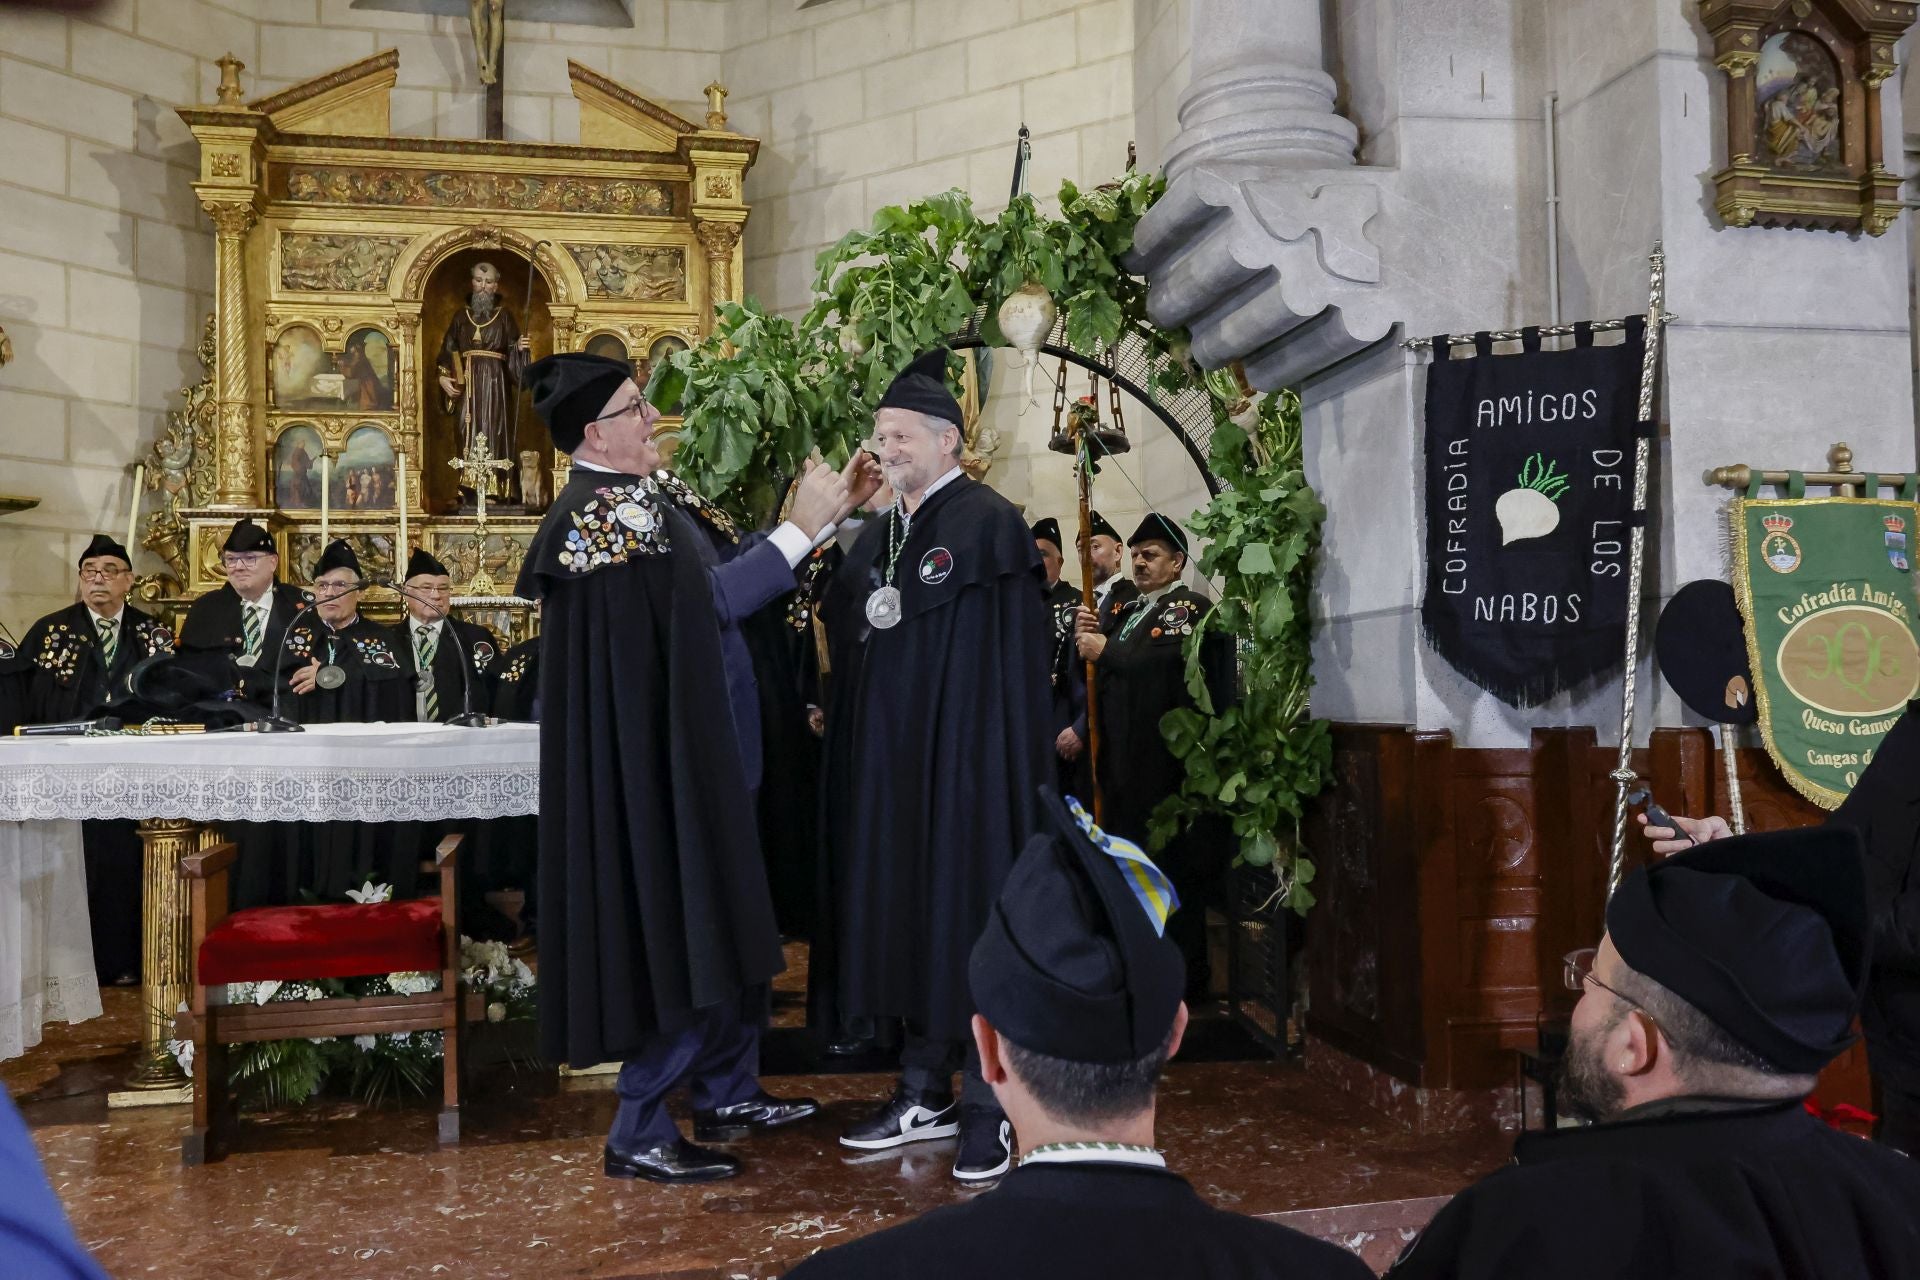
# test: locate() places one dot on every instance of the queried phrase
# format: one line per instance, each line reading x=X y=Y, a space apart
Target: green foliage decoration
x=1257 y=763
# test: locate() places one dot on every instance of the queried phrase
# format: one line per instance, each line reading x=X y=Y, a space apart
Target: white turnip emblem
x=1530 y=511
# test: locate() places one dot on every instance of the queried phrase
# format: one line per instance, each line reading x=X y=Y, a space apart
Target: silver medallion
x=883 y=608
x=247 y=659
x=330 y=677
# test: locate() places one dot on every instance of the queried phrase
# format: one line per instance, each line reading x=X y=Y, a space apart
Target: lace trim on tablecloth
x=70 y=998
x=252 y=794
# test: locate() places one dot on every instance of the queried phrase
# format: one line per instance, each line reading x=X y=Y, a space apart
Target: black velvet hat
x=247 y=536
x=190 y=687
x=338 y=555
x=922 y=387
x=1702 y=648
x=1767 y=935
x=1073 y=962
x=571 y=389
x=104 y=545
x=1157 y=528
x=1098 y=525
x=1048 y=530
x=423 y=562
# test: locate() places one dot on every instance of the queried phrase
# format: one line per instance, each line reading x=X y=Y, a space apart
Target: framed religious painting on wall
x=1803 y=114
x=363 y=479
x=366 y=371
x=301 y=373
x=296 y=468
x=610 y=345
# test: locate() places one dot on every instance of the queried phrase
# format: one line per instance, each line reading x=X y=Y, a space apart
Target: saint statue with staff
x=481 y=360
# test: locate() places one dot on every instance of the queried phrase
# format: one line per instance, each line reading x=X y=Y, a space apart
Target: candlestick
x=326 y=476
x=401 y=552
x=133 y=508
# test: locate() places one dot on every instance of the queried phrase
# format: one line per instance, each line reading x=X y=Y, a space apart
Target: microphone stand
x=275 y=722
x=468 y=717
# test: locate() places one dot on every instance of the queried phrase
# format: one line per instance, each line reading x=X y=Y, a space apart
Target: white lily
x=369 y=892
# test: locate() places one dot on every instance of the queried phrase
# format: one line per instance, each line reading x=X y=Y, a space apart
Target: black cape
x=214 y=625
x=788 y=799
x=1884 y=807
x=325 y=859
x=1113 y=1221
x=654 y=900
x=69 y=679
x=937 y=745
x=16 y=675
x=516 y=692
x=482 y=654
x=1764 y=1192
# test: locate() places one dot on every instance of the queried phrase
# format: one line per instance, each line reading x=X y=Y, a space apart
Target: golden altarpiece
x=343 y=256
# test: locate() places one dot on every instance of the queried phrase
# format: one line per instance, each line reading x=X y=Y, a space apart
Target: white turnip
x=1026 y=318
x=1530 y=511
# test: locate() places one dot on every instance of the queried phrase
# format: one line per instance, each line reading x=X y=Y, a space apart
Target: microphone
x=468 y=716
x=68 y=728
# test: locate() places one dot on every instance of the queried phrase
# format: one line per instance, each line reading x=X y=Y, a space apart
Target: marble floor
x=342 y=1192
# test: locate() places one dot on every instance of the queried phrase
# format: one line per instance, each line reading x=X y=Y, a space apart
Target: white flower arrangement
x=369 y=893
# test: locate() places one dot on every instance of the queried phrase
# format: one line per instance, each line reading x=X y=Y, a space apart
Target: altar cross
x=474 y=467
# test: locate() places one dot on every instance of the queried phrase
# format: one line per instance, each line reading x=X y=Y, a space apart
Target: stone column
x=1260 y=93
x=238 y=479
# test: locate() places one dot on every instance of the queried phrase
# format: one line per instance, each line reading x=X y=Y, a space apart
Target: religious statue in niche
x=482 y=357
x=1804 y=85
x=1797 y=87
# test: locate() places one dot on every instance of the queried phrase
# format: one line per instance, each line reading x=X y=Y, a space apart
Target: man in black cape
x=1728 y=977
x=81 y=656
x=938 y=742
x=451 y=673
x=1065 y=672
x=657 y=928
x=247 y=615
x=1140 y=669
x=1113 y=592
x=1079 y=999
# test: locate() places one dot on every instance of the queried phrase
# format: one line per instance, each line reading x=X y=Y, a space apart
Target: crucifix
x=473 y=469
x=488 y=18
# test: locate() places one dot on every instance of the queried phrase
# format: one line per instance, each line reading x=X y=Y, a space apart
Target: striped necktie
x=424 y=649
x=1140 y=610
x=252 y=626
x=109 y=629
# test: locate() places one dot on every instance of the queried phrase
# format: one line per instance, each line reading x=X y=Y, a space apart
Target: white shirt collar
x=115 y=616
x=1095 y=1153
x=417 y=625
x=584 y=465
x=264 y=603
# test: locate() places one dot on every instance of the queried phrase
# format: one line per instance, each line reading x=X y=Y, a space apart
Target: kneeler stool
x=303 y=944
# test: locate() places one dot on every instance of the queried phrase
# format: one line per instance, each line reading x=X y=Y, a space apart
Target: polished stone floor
x=340 y=1192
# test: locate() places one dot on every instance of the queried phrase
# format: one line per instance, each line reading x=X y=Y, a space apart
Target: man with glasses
x=657 y=927
x=81 y=656
x=248 y=614
x=1727 y=978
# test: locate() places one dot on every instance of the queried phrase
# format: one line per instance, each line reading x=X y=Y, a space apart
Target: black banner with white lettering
x=1530 y=512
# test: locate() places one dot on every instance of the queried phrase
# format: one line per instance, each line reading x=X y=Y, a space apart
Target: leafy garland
x=762 y=393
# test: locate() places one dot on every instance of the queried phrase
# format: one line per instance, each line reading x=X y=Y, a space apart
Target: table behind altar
x=175 y=785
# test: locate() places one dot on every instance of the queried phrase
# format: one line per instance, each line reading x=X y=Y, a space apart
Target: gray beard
x=483 y=304
x=1587 y=1092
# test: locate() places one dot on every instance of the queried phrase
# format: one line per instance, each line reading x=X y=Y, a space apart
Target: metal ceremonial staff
x=526 y=317
x=1623 y=775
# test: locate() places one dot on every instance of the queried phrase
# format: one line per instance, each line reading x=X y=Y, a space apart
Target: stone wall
x=105 y=264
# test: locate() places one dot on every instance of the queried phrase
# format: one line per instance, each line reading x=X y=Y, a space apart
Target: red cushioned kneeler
x=332 y=941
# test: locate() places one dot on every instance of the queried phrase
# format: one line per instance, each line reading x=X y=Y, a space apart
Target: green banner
x=1826 y=591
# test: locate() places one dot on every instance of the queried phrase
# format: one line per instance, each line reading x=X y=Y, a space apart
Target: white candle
x=133 y=508
x=326 y=474
x=401 y=552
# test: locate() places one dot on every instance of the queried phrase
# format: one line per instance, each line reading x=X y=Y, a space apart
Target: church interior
x=294 y=267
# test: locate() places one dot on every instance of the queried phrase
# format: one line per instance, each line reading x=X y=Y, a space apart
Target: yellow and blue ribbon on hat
x=1150 y=885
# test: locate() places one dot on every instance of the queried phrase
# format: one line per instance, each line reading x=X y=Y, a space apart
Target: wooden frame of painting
x=1804 y=122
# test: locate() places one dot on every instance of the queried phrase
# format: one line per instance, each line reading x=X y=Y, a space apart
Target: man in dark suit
x=248 y=615
x=1079 y=1009
x=451 y=673
x=1728 y=976
x=81 y=657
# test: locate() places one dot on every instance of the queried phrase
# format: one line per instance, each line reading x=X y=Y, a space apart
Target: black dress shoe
x=906 y=1117
x=762 y=1111
x=676 y=1161
x=850 y=1048
x=986 y=1147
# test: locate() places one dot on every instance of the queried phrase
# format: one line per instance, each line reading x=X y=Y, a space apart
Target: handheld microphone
x=68 y=728
x=468 y=716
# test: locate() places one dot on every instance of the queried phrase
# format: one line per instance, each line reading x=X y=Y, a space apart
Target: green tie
x=109 y=640
x=424 y=647
x=251 y=622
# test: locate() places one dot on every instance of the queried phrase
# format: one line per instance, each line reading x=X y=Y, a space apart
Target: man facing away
x=1079 y=1009
x=1728 y=977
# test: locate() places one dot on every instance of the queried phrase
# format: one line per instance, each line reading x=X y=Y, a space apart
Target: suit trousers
x=717 y=1058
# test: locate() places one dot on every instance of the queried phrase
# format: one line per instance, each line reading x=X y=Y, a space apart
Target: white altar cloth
x=330 y=773
x=46 y=947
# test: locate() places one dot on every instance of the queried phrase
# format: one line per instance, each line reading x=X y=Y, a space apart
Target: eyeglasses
x=248 y=561
x=101 y=575
x=635 y=407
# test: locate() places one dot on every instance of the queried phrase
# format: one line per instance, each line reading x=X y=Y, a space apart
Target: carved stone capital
x=231 y=218
x=718 y=239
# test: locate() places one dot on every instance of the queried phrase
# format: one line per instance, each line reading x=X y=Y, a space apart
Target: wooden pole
x=1084 y=459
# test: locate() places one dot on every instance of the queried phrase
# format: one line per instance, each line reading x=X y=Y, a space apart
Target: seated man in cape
x=657 y=927
x=1079 y=1009
x=941 y=642
x=247 y=615
x=1728 y=976
x=451 y=660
